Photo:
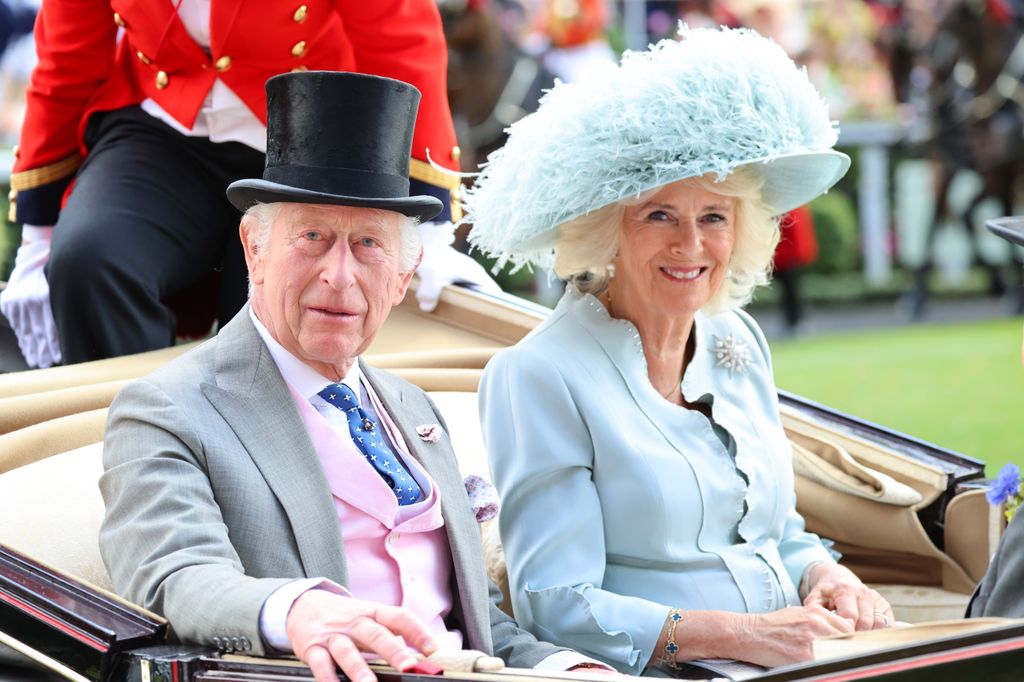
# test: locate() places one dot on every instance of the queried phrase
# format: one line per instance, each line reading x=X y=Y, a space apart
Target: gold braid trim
x=424 y=172
x=37 y=177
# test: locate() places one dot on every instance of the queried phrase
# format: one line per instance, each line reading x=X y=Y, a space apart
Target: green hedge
x=835 y=224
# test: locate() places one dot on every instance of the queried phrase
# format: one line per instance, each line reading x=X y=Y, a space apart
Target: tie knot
x=339 y=395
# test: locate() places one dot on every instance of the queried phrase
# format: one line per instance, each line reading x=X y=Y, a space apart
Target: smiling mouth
x=684 y=274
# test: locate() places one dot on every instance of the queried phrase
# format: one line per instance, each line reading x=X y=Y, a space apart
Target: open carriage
x=908 y=517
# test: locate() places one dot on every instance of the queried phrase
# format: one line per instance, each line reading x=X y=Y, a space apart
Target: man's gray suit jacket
x=215 y=498
x=1001 y=591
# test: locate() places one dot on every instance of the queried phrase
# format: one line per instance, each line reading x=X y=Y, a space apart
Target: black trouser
x=792 y=305
x=147 y=218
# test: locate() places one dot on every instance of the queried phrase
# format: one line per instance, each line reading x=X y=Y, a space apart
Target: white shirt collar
x=300 y=376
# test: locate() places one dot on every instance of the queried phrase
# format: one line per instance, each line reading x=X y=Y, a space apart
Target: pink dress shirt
x=395 y=555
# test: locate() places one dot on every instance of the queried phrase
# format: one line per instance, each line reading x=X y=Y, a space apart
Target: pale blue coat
x=618 y=505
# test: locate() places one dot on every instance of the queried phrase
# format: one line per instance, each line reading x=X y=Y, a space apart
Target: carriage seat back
x=52 y=511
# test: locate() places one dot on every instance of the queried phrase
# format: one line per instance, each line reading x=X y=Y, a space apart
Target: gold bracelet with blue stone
x=671 y=648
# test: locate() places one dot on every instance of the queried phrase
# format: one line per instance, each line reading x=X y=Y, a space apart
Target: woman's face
x=674 y=252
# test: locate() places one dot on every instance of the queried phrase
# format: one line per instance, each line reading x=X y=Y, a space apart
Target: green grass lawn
x=960 y=386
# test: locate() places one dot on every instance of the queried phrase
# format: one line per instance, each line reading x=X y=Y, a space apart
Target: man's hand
x=443 y=265
x=26 y=300
x=325 y=629
x=836 y=588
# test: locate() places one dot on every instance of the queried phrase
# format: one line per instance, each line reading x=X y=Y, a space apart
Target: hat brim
x=1010 y=228
x=792 y=180
x=244 y=193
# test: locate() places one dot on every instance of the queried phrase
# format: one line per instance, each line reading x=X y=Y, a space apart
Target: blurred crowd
x=842 y=43
x=872 y=59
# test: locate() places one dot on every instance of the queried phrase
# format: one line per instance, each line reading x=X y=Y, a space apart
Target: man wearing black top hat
x=1001 y=590
x=268 y=491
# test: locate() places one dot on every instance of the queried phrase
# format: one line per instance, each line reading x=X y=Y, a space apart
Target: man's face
x=326 y=280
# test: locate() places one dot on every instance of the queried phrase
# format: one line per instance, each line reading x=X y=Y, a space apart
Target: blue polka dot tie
x=368 y=438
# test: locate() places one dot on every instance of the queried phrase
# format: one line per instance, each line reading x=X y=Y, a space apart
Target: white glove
x=443 y=265
x=26 y=300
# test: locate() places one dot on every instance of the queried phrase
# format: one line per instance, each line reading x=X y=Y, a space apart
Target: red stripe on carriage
x=50 y=620
x=928 y=660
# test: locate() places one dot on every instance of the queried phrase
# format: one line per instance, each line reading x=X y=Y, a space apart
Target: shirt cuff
x=566 y=660
x=274 y=614
x=36 y=233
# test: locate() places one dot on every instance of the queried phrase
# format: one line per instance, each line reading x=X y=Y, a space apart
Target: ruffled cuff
x=565 y=616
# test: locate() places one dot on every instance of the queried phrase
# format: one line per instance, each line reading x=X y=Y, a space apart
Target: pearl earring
x=611 y=270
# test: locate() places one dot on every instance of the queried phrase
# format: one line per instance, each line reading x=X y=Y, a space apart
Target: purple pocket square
x=482 y=497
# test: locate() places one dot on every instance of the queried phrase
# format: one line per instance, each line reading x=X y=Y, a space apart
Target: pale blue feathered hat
x=710 y=102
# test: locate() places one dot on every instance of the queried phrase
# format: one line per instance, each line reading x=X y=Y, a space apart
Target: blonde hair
x=586 y=245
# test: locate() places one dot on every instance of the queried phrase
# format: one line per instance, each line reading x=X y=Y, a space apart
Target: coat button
x=300 y=14
x=16 y=150
x=143 y=58
x=223 y=64
x=299 y=49
x=299 y=69
x=119 y=20
x=162 y=80
x=456 y=153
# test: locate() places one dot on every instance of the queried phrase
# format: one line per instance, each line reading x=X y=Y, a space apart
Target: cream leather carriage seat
x=51 y=421
x=51 y=508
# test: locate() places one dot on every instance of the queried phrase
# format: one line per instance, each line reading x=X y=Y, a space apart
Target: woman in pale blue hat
x=649 y=514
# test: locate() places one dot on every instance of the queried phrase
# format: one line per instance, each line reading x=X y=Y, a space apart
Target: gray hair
x=585 y=246
x=260 y=219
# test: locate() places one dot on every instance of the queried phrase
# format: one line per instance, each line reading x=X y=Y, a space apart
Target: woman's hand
x=836 y=588
x=786 y=636
x=770 y=639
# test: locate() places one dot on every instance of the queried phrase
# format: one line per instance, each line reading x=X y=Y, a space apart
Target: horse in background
x=492 y=81
x=973 y=54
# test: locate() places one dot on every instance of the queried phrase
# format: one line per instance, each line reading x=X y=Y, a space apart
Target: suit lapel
x=409 y=408
x=254 y=400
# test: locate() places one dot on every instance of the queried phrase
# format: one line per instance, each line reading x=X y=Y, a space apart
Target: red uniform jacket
x=799 y=244
x=84 y=67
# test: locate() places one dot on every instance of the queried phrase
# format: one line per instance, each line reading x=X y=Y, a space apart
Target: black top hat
x=1011 y=228
x=338 y=138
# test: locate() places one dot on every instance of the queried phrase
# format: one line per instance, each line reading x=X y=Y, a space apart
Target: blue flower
x=1005 y=485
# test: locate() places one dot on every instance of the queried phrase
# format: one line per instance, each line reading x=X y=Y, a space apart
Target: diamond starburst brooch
x=732 y=354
